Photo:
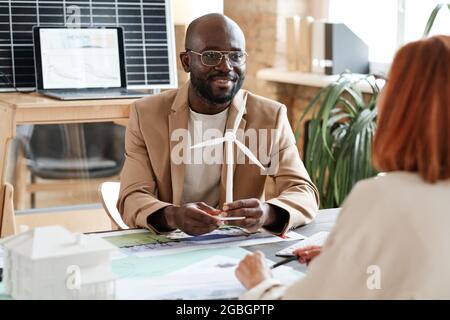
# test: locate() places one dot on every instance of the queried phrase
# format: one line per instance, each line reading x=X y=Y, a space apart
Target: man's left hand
x=257 y=214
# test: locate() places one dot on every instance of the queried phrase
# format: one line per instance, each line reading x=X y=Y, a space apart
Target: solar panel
x=148 y=36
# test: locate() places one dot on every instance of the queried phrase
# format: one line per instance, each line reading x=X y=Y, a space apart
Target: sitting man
x=160 y=192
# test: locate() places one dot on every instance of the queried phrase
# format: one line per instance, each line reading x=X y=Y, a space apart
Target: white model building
x=53 y=263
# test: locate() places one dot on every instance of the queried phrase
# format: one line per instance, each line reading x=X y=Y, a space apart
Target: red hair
x=413 y=126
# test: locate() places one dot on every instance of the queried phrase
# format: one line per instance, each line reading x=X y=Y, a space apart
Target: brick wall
x=263 y=23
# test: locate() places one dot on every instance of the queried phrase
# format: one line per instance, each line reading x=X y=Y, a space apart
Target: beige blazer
x=150 y=181
x=391 y=241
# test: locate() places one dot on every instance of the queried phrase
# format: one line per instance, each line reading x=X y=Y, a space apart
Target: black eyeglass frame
x=223 y=54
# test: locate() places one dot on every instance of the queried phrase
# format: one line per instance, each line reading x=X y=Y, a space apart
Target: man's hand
x=257 y=214
x=193 y=218
x=252 y=270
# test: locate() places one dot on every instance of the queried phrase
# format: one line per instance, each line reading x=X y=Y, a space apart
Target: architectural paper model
x=53 y=263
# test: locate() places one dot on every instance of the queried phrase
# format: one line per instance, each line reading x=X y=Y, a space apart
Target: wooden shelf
x=309 y=79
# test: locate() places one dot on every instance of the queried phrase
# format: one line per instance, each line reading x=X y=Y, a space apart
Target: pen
x=230 y=218
x=280 y=263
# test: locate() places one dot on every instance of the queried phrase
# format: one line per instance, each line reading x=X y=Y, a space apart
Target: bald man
x=165 y=187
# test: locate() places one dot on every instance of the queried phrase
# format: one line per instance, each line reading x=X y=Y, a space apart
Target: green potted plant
x=432 y=18
x=339 y=134
x=338 y=150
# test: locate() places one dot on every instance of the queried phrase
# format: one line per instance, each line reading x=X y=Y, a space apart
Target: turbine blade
x=208 y=143
x=249 y=154
x=238 y=119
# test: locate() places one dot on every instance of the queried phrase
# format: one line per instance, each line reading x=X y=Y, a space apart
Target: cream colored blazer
x=391 y=241
x=150 y=181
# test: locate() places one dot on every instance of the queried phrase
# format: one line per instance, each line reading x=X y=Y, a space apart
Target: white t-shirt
x=203 y=172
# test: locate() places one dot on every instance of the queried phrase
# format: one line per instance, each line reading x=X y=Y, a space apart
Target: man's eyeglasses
x=211 y=58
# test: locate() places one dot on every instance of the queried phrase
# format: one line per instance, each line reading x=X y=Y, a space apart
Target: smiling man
x=160 y=192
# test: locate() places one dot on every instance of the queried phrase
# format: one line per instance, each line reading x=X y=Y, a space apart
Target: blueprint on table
x=144 y=243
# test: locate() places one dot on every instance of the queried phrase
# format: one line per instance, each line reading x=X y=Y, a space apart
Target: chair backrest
x=109 y=193
x=63 y=141
x=8 y=222
x=73 y=151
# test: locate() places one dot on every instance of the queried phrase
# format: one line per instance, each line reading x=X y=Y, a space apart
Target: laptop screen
x=80 y=58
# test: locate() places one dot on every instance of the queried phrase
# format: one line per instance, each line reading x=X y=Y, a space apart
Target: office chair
x=71 y=152
x=109 y=193
x=8 y=221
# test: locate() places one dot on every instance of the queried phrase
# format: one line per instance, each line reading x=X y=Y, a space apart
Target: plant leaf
x=431 y=19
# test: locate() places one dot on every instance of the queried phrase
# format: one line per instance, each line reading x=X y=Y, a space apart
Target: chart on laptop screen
x=148 y=36
x=80 y=58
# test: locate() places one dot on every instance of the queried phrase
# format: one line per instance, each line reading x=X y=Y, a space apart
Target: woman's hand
x=252 y=270
x=307 y=254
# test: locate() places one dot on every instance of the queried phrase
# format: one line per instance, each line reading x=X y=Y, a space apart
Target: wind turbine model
x=229 y=138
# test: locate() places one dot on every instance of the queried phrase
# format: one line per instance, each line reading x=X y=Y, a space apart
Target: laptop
x=81 y=63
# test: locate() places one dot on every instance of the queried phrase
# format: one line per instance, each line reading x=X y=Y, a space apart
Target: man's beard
x=205 y=91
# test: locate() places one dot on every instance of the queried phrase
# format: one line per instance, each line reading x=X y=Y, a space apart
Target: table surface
x=324 y=221
x=31 y=100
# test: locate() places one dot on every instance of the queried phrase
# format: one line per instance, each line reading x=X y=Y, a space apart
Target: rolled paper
x=230 y=218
